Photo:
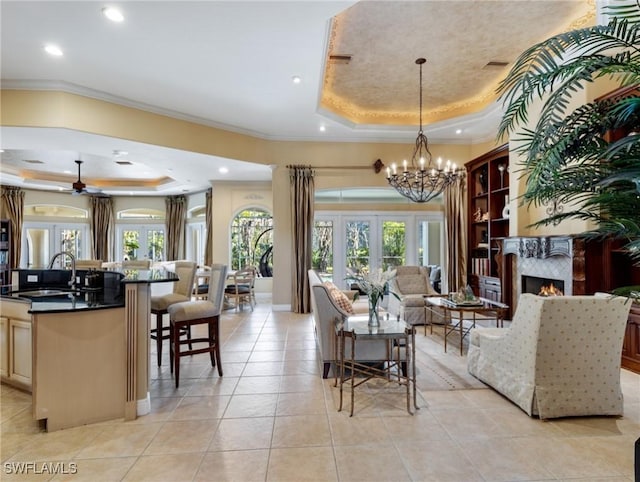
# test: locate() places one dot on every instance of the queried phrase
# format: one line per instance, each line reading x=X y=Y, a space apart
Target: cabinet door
x=4 y=347
x=20 y=350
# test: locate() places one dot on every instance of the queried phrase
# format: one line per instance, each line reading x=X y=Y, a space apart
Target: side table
x=444 y=307
x=396 y=333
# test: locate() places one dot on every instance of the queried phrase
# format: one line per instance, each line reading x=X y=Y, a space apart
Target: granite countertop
x=56 y=297
x=148 y=276
x=68 y=301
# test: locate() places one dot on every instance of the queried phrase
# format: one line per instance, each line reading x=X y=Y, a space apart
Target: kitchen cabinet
x=16 y=347
x=20 y=350
x=4 y=347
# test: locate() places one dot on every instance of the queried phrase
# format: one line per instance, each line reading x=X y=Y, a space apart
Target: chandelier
x=422 y=180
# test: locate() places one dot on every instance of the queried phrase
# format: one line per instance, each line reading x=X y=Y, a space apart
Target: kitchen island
x=83 y=354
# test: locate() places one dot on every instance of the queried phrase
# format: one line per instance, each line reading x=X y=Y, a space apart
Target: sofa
x=410 y=285
x=328 y=309
x=560 y=357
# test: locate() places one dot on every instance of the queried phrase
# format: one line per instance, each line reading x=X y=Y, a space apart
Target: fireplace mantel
x=538 y=247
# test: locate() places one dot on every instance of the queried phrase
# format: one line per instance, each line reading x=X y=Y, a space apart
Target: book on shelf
x=483 y=245
x=481 y=266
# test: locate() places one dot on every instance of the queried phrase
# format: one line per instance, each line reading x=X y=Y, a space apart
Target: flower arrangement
x=374 y=285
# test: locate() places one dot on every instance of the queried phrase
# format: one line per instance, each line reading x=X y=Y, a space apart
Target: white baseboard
x=281 y=307
x=144 y=405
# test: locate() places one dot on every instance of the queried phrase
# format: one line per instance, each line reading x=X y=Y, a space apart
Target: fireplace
x=542 y=286
x=529 y=261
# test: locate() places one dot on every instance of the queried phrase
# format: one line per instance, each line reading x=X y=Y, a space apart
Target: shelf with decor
x=5 y=256
x=488 y=220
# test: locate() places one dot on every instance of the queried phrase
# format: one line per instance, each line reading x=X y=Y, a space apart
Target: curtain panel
x=176 y=220
x=302 y=199
x=103 y=228
x=13 y=209
x=455 y=218
x=208 y=246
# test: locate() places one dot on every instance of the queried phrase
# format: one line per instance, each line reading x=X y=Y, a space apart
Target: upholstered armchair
x=559 y=358
x=410 y=284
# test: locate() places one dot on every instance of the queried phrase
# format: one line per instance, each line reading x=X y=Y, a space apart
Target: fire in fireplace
x=542 y=286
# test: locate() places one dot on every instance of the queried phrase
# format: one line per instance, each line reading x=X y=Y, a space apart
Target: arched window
x=252 y=240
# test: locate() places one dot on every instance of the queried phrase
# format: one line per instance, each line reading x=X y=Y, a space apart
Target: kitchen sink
x=45 y=292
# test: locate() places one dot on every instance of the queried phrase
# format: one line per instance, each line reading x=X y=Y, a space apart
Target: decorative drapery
x=103 y=228
x=302 y=198
x=13 y=209
x=176 y=219
x=208 y=216
x=455 y=219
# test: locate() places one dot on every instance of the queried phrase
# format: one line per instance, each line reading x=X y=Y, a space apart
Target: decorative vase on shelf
x=505 y=209
x=483 y=179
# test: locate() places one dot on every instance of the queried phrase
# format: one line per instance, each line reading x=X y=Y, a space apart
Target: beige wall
x=70 y=111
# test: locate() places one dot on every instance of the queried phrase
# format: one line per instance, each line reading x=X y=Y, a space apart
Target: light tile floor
x=272 y=418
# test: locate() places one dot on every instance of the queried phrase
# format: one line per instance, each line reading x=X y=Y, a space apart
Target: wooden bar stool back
x=189 y=313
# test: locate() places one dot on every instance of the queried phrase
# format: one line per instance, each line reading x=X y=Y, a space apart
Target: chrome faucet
x=72 y=282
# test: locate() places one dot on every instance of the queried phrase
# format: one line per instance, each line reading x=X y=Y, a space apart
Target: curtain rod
x=340 y=167
x=377 y=166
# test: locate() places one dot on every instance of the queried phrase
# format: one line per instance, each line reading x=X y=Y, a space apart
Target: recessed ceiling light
x=323 y=128
x=458 y=131
x=66 y=171
x=223 y=170
x=296 y=79
x=113 y=14
x=53 y=50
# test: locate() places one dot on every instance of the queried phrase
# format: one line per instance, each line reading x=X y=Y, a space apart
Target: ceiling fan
x=80 y=187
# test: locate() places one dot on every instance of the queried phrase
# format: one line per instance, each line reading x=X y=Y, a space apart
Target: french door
x=345 y=244
x=42 y=240
x=141 y=242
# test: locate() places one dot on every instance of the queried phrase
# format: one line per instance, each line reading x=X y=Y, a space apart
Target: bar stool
x=185 y=270
x=189 y=313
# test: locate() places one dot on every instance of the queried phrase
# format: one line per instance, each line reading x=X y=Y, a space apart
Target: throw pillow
x=339 y=297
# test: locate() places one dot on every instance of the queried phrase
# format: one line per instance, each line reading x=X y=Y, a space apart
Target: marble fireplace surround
x=553 y=257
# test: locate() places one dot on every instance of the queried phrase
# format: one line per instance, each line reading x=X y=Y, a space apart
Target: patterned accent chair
x=559 y=358
x=411 y=284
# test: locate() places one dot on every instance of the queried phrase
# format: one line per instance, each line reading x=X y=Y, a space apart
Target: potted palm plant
x=568 y=157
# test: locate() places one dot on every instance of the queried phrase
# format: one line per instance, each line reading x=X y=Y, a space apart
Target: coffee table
x=397 y=334
x=447 y=309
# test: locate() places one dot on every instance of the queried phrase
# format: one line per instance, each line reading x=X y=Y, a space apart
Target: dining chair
x=88 y=263
x=252 y=287
x=186 y=314
x=136 y=264
x=239 y=287
x=185 y=270
x=201 y=282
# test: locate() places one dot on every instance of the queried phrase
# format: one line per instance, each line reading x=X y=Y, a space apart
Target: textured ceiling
x=380 y=84
x=229 y=64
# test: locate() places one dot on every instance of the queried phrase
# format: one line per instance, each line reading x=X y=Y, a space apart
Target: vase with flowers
x=375 y=285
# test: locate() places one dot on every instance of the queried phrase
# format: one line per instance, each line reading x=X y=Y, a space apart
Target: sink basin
x=38 y=293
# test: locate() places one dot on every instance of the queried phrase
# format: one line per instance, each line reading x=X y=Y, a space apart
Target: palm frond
x=561 y=59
